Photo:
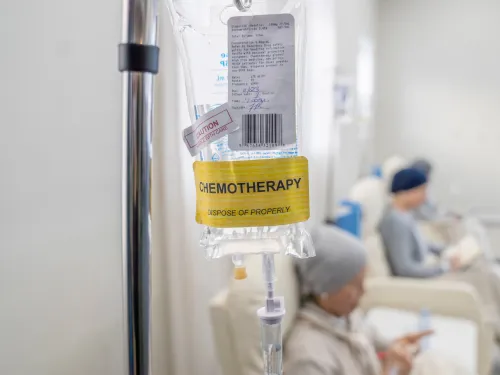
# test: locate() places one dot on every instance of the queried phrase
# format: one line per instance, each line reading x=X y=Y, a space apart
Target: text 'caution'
x=252 y=193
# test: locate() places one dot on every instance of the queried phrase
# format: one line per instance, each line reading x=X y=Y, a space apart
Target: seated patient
x=408 y=253
x=329 y=336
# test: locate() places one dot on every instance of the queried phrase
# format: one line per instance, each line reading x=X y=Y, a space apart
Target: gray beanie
x=340 y=257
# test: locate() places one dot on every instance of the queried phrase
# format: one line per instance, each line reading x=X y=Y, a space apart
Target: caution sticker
x=252 y=193
x=208 y=128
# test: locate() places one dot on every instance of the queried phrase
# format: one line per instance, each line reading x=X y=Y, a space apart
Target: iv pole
x=138 y=62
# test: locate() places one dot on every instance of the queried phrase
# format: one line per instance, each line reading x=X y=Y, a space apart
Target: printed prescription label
x=262 y=81
x=252 y=193
x=208 y=128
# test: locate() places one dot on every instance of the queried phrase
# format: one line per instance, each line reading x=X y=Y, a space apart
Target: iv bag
x=200 y=28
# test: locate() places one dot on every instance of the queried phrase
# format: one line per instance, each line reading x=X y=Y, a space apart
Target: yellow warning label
x=252 y=193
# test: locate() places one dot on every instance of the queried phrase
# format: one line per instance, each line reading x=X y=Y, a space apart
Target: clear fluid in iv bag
x=201 y=33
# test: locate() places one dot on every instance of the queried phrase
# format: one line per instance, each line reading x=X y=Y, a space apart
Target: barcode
x=262 y=129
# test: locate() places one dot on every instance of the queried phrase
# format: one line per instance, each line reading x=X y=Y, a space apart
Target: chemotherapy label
x=208 y=128
x=262 y=81
x=252 y=193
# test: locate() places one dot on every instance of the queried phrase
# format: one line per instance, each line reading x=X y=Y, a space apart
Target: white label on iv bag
x=208 y=128
x=262 y=81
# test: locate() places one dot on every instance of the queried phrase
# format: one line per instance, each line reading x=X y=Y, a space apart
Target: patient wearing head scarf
x=406 y=249
x=330 y=336
x=408 y=252
x=410 y=255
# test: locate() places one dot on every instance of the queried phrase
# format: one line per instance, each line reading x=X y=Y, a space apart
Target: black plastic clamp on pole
x=138 y=58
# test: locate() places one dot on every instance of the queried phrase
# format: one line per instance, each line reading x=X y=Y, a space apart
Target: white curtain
x=183 y=280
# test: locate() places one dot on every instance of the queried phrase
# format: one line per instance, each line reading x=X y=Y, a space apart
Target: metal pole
x=138 y=61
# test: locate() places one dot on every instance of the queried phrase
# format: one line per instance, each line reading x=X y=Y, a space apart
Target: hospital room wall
x=356 y=27
x=438 y=87
x=60 y=161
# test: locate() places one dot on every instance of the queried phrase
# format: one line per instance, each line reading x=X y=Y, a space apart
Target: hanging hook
x=243 y=5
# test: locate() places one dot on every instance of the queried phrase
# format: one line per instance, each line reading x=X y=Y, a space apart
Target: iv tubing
x=271 y=317
x=269 y=277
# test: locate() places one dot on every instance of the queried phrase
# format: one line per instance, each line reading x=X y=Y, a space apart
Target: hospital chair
x=390 y=292
x=236 y=328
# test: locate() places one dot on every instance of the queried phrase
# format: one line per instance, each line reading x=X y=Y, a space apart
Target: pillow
x=444 y=346
x=434 y=362
x=369 y=193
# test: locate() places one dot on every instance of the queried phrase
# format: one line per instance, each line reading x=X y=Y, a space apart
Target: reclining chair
x=236 y=327
x=370 y=193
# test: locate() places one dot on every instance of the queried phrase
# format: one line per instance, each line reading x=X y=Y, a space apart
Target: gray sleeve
x=307 y=367
x=398 y=242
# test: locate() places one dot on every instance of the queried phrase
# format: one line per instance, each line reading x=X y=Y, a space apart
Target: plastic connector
x=240 y=273
x=274 y=310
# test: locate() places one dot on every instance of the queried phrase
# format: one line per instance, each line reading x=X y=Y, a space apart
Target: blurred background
x=387 y=78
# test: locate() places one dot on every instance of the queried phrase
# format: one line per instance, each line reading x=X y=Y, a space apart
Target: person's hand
x=399 y=356
x=412 y=340
x=455 y=262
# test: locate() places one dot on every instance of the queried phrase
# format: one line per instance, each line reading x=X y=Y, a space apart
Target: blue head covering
x=407 y=179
